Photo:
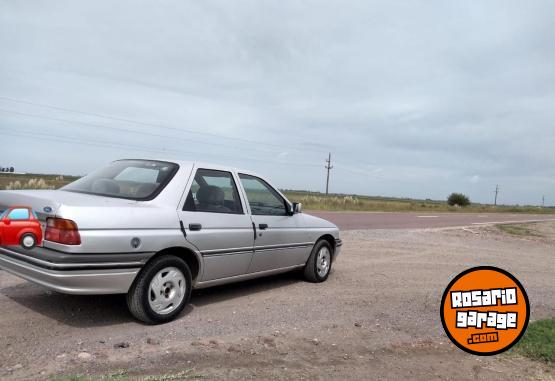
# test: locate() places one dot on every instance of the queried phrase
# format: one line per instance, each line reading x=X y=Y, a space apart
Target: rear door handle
x=263 y=226
x=195 y=226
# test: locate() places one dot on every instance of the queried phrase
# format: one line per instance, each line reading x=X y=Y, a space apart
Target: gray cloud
x=413 y=99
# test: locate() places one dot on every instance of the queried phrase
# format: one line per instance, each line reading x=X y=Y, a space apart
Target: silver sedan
x=155 y=230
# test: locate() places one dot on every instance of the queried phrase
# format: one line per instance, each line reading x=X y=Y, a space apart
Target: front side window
x=263 y=199
x=213 y=191
x=130 y=179
x=19 y=214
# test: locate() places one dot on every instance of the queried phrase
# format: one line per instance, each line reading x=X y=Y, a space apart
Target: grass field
x=538 y=342
x=310 y=200
x=522 y=230
x=33 y=181
x=318 y=201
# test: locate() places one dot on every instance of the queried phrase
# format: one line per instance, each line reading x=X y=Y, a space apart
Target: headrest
x=210 y=194
x=107 y=186
x=146 y=190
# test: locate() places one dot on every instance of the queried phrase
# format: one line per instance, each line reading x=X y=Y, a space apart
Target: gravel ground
x=376 y=317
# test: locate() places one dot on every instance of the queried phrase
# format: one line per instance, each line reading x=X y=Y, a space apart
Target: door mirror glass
x=297 y=207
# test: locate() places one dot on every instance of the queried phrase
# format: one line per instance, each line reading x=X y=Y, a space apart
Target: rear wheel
x=161 y=290
x=318 y=266
x=28 y=241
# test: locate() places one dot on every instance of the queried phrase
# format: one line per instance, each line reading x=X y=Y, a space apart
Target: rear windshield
x=130 y=179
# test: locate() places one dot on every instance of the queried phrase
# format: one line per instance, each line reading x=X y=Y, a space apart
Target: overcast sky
x=412 y=98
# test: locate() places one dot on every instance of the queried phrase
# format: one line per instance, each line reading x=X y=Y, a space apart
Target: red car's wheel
x=28 y=241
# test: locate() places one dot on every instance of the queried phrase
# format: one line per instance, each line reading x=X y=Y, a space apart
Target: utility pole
x=328 y=167
x=543 y=201
x=496 y=192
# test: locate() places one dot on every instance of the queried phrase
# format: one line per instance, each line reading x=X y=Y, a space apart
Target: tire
x=314 y=268
x=28 y=241
x=161 y=290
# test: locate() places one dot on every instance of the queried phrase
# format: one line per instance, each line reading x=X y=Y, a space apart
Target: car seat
x=106 y=186
x=211 y=199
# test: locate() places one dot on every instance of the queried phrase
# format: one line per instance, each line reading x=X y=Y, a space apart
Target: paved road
x=370 y=220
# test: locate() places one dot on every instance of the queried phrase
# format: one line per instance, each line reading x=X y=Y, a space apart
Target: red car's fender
x=35 y=230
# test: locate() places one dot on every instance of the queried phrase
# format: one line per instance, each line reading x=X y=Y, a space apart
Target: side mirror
x=7 y=221
x=297 y=207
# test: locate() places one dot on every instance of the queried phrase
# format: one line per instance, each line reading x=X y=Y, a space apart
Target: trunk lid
x=46 y=203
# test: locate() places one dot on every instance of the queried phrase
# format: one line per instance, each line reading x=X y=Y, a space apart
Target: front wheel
x=318 y=266
x=28 y=241
x=161 y=290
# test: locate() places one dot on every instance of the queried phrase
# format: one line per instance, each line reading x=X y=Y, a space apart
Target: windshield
x=130 y=179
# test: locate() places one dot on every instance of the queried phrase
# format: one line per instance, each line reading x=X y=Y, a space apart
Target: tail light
x=62 y=231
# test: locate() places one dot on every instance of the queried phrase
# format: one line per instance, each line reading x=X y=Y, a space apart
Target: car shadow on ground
x=85 y=311
x=229 y=291
x=73 y=310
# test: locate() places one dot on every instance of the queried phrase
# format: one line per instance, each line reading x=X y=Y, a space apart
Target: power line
x=120 y=129
x=120 y=119
x=100 y=143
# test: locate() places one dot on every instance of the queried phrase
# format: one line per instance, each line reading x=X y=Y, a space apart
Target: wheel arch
x=22 y=232
x=190 y=257
x=331 y=240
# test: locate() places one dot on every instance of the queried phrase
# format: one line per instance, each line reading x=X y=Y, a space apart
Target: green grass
x=341 y=202
x=538 y=342
x=310 y=200
x=33 y=181
x=523 y=230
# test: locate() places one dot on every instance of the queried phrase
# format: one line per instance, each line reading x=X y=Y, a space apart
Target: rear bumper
x=71 y=277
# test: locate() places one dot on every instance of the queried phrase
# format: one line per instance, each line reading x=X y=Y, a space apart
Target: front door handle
x=263 y=226
x=195 y=226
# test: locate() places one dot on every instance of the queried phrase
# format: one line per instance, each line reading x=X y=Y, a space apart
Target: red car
x=19 y=225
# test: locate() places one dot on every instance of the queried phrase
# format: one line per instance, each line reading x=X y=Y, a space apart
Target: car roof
x=200 y=164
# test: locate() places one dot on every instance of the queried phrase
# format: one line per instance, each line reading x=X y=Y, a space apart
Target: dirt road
x=379 y=220
x=376 y=317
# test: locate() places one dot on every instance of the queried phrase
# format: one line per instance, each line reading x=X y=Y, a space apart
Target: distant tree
x=12 y=169
x=458 y=199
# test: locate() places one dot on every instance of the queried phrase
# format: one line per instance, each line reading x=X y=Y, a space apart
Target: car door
x=279 y=242
x=215 y=221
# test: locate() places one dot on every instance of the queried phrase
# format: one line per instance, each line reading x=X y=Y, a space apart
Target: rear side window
x=263 y=199
x=213 y=191
x=19 y=214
